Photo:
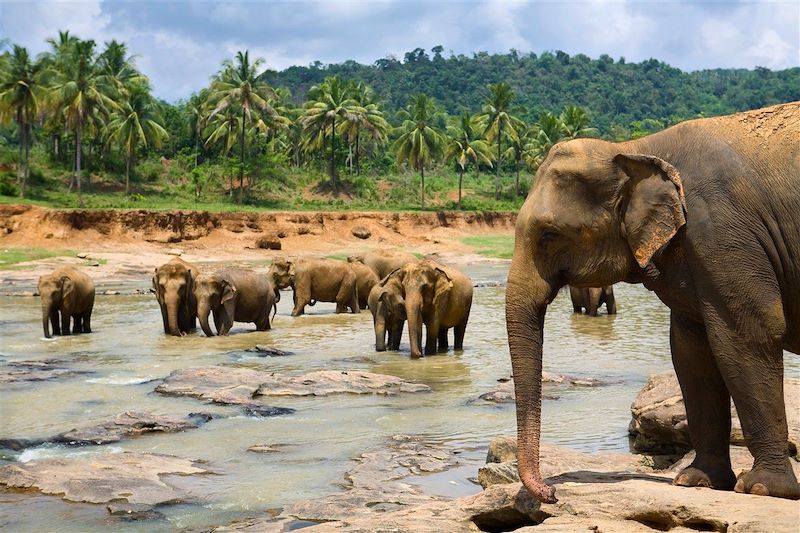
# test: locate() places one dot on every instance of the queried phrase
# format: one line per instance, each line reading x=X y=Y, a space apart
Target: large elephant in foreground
x=67 y=294
x=383 y=262
x=591 y=298
x=234 y=295
x=438 y=297
x=705 y=214
x=388 y=307
x=316 y=280
x=173 y=285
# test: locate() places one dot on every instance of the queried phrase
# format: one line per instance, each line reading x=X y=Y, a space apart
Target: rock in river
x=126 y=425
x=131 y=477
x=503 y=392
x=41 y=370
x=659 y=425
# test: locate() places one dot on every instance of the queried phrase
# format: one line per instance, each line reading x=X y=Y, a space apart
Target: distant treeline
x=619 y=96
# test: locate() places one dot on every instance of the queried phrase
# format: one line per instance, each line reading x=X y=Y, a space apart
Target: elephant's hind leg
x=65 y=323
x=86 y=320
x=707 y=406
x=442 y=345
x=55 y=322
x=458 y=336
x=77 y=325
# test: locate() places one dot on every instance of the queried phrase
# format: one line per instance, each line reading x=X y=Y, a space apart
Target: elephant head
x=595 y=216
x=215 y=292
x=388 y=305
x=173 y=285
x=281 y=273
x=426 y=287
x=57 y=292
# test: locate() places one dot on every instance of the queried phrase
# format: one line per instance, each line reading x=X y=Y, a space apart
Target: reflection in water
x=128 y=351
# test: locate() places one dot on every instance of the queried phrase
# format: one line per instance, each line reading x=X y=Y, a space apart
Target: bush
x=8 y=185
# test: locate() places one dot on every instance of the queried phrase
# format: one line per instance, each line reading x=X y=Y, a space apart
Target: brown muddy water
x=128 y=355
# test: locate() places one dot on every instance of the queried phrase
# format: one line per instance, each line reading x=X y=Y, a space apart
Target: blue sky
x=180 y=44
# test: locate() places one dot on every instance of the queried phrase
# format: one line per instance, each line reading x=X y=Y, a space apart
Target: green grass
x=498 y=246
x=11 y=257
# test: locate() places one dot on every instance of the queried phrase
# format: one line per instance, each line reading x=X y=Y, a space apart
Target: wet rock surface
x=119 y=478
x=503 y=392
x=42 y=370
x=659 y=425
x=247 y=387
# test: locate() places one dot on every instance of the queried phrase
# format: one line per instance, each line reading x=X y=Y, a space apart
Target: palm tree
x=328 y=102
x=57 y=60
x=516 y=152
x=498 y=122
x=465 y=145
x=136 y=125
x=542 y=135
x=80 y=92
x=197 y=112
x=21 y=91
x=419 y=143
x=576 y=122
x=366 y=116
x=115 y=63
x=223 y=128
x=240 y=84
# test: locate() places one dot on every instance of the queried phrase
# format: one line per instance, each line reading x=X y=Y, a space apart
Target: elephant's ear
x=396 y=273
x=156 y=289
x=228 y=291
x=67 y=292
x=443 y=286
x=656 y=206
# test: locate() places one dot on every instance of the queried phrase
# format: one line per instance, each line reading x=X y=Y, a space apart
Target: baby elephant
x=388 y=310
x=316 y=280
x=591 y=298
x=70 y=293
x=233 y=294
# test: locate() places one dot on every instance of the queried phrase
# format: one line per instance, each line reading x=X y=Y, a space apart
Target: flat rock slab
x=246 y=387
x=131 y=477
x=126 y=425
x=659 y=424
x=503 y=392
x=42 y=370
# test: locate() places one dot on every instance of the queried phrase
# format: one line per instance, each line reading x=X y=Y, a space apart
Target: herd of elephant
x=395 y=286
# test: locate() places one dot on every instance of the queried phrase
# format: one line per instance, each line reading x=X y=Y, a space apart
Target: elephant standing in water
x=173 y=285
x=366 y=279
x=591 y=298
x=234 y=294
x=388 y=308
x=316 y=280
x=705 y=215
x=67 y=293
x=383 y=262
x=439 y=297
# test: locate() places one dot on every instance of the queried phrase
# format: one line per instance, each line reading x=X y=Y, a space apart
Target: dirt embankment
x=142 y=238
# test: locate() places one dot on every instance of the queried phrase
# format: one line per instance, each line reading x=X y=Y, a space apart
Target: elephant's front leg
x=302 y=296
x=707 y=406
x=77 y=324
x=55 y=322
x=86 y=320
x=396 y=333
x=431 y=341
x=442 y=340
x=65 y=323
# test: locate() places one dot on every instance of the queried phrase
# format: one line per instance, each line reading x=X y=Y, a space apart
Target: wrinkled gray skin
x=591 y=298
x=366 y=279
x=383 y=262
x=388 y=308
x=316 y=280
x=705 y=214
x=233 y=295
x=438 y=297
x=66 y=293
x=173 y=286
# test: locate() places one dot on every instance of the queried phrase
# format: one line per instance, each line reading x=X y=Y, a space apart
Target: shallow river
x=127 y=354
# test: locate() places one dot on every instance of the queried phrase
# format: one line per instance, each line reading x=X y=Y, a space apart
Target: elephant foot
x=766 y=483
x=713 y=478
x=416 y=355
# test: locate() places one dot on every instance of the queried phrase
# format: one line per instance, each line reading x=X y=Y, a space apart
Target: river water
x=128 y=354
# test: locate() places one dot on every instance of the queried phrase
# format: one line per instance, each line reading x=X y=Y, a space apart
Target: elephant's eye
x=547 y=235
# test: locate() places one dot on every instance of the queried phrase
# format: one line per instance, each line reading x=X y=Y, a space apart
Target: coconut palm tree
x=465 y=145
x=82 y=94
x=223 y=129
x=239 y=83
x=197 y=113
x=576 y=122
x=365 y=117
x=499 y=123
x=328 y=104
x=136 y=125
x=418 y=143
x=21 y=92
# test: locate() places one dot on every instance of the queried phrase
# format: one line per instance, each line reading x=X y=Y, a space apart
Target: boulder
x=361 y=232
x=177 y=252
x=128 y=477
x=268 y=242
x=502 y=449
x=126 y=425
x=659 y=424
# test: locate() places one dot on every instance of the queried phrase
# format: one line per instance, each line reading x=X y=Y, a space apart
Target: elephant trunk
x=203 y=310
x=527 y=297
x=414 y=314
x=172 y=316
x=46 y=312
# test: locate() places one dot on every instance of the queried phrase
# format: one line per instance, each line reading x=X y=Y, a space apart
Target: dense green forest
x=80 y=125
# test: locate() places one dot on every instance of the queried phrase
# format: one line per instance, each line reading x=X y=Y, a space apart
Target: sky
x=181 y=44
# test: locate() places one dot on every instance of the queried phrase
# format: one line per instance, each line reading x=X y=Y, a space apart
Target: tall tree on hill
x=419 y=143
x=239 y=83
x=364 y=117
x=137 y=124
x=499 y=123
x=21 y=91
x=81 y=92
x=223 y=129
x=328 y=102
x=464 y=144
x=575 y=121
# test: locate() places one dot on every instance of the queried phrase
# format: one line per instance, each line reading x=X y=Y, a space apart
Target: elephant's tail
x=274 y=311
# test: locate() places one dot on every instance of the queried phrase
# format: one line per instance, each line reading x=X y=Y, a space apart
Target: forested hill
x=619 y=96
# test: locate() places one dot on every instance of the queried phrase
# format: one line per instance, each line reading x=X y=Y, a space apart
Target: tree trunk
x=78 y=163
x=422 y=184
x=499 y=155
x=358 y=148
x=20 y=170
x=26 y=176
x=516 y=180
x=241 y=160
x=333 y=157
x=127 y=175
x=460 y=179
